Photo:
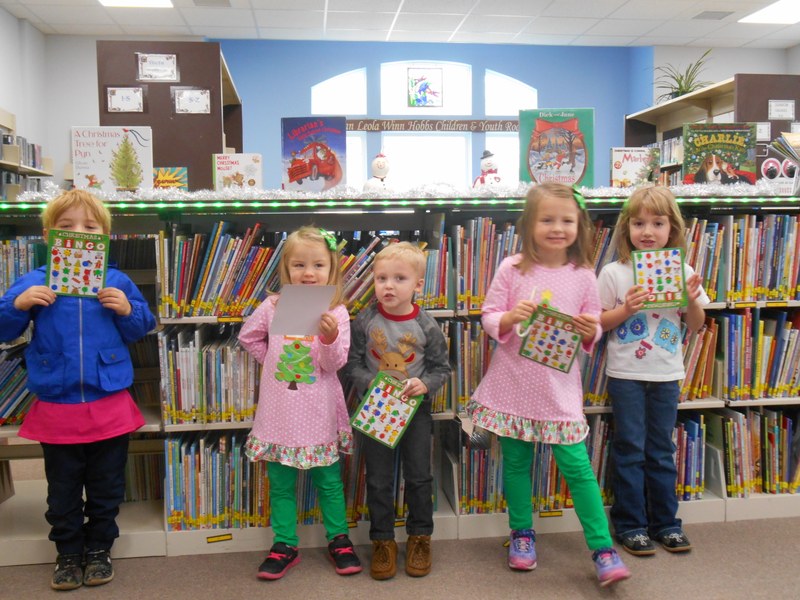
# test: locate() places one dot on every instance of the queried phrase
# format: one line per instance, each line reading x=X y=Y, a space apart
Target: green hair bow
x=330 y=239
x=579 y=198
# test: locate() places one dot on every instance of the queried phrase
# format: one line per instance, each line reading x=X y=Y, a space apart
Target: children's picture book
x=171 y=178
x=385 y=412
x=112 y=159
x=719 y=153
x=313 y=153
x=551 y=339
x=634 y=166
x=782 y=164
x=661 y=273
x=76 y=262
x=237 y=171
x=556 y=145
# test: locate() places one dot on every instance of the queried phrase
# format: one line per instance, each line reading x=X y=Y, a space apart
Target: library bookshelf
x=19 y=159
x=144 y=525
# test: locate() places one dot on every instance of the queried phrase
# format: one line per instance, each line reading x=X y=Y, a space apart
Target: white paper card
x=781 y=110
x=764 y=131
x=299 y=309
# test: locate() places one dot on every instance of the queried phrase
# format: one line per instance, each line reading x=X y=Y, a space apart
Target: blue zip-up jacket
x=78 y=351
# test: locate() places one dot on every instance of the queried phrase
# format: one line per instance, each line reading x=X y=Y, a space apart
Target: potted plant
x=678 y=82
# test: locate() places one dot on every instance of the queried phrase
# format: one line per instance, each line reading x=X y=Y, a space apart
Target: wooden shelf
x=700 y=105
x=24 y=529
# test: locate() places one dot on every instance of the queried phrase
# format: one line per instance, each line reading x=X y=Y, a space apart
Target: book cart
x=149 y=529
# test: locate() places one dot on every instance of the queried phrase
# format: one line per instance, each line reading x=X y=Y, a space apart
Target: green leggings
x=283 y=501
x=573 y=462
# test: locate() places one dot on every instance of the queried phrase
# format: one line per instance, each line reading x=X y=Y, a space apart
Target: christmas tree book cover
x=719 y=153
x=112 y=159
x=632 y=167
x=76 y=262
x=313 y=153
x=556 y=145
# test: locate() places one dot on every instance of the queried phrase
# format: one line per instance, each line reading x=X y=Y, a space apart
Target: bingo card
x=661 y=273
x=76 y=262
x=385 y=411
x=551 y=339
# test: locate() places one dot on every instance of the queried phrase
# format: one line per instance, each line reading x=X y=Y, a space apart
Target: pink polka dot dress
x=301 y=419
x=521 y=398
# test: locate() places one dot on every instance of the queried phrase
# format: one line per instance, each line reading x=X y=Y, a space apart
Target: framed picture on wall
x=424 y=87
x=125 y=99
x=191 y=100
x=157 y=67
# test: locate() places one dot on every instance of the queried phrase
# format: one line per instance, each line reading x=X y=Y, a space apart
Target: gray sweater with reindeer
x=412 y=345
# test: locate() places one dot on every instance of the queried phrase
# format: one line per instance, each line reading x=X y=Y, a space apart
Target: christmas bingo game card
x=551 y=340
x=661 y=273
x=385 y=411
x=76 y=262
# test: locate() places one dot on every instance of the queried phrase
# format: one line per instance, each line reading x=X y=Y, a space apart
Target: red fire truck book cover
x=313 y=153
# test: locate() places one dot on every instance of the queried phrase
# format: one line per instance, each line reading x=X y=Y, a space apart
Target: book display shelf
x=151 y=527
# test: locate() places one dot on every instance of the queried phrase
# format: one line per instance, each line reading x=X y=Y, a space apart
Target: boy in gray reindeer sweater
x=397 y=337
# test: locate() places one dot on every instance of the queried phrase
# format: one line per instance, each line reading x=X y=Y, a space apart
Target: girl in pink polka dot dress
x=301 y=422
x=525 y=402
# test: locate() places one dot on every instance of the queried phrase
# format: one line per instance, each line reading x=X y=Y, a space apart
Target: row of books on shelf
x=480 y=474
x=211 y=484
x=759 y=354
x=15 y=399
x=30 y=154
x=759 y=448
x=144 y=477
x=206 y=376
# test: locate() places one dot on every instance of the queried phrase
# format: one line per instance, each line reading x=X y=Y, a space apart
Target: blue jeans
x=642 y=452
x=415 y=454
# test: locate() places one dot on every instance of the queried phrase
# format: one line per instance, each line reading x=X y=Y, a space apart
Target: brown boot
x=418 y=555
x=384 y=559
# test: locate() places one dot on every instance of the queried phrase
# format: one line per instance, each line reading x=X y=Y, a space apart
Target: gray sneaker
x=98 y=568
x=68 y=574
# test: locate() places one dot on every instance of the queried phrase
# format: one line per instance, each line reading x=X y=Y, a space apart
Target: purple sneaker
x=610 y=567
x=522 y=550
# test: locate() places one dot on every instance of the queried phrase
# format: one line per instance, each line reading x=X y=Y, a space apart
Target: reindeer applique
x=393 y=363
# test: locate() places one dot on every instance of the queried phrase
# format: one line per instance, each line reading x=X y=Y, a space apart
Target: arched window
x=345 y=94
x=506 y=96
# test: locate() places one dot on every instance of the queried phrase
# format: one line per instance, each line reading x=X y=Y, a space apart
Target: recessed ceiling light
x=136 y=3
x=782 y=12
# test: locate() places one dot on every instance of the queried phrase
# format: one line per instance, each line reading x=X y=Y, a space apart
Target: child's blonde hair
x=308 y=234
x=72 y=198
x=405 y=251
x=657 y=201
x=580 y=252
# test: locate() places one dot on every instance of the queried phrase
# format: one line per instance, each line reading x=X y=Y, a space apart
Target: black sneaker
x=98 y=568
x=674 y=541
x=69 y=573
x=280 y=559
x=638 y=544
x=344 y=556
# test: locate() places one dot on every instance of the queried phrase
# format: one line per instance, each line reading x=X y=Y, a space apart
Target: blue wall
x=274 y=79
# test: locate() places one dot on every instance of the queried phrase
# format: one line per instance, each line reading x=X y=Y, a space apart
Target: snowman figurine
x=488 y=176
x=379 y=168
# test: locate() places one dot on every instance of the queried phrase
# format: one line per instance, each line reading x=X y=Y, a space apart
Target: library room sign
x=423 y=125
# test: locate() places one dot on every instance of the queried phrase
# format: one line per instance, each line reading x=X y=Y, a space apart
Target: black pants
x=415 y=454
x=98 y=468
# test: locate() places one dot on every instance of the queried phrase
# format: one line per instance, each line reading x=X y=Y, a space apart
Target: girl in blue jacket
x=80 y=369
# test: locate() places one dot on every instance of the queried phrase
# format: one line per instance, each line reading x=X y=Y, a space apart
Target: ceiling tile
x=430 y=22
x=288 y=4
x=600 y=40
x=291 y=19
x=217 y=17
x=595 y=8
x=628 y=27
x=238 y=33
x=147 y=16
x=522 y=8
x=61 y=15
x=477 y=24
x=457 y=7
x=356 y=35
x=553 y=26
x=359 y=20
x=474 y=37
x=358 y=5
